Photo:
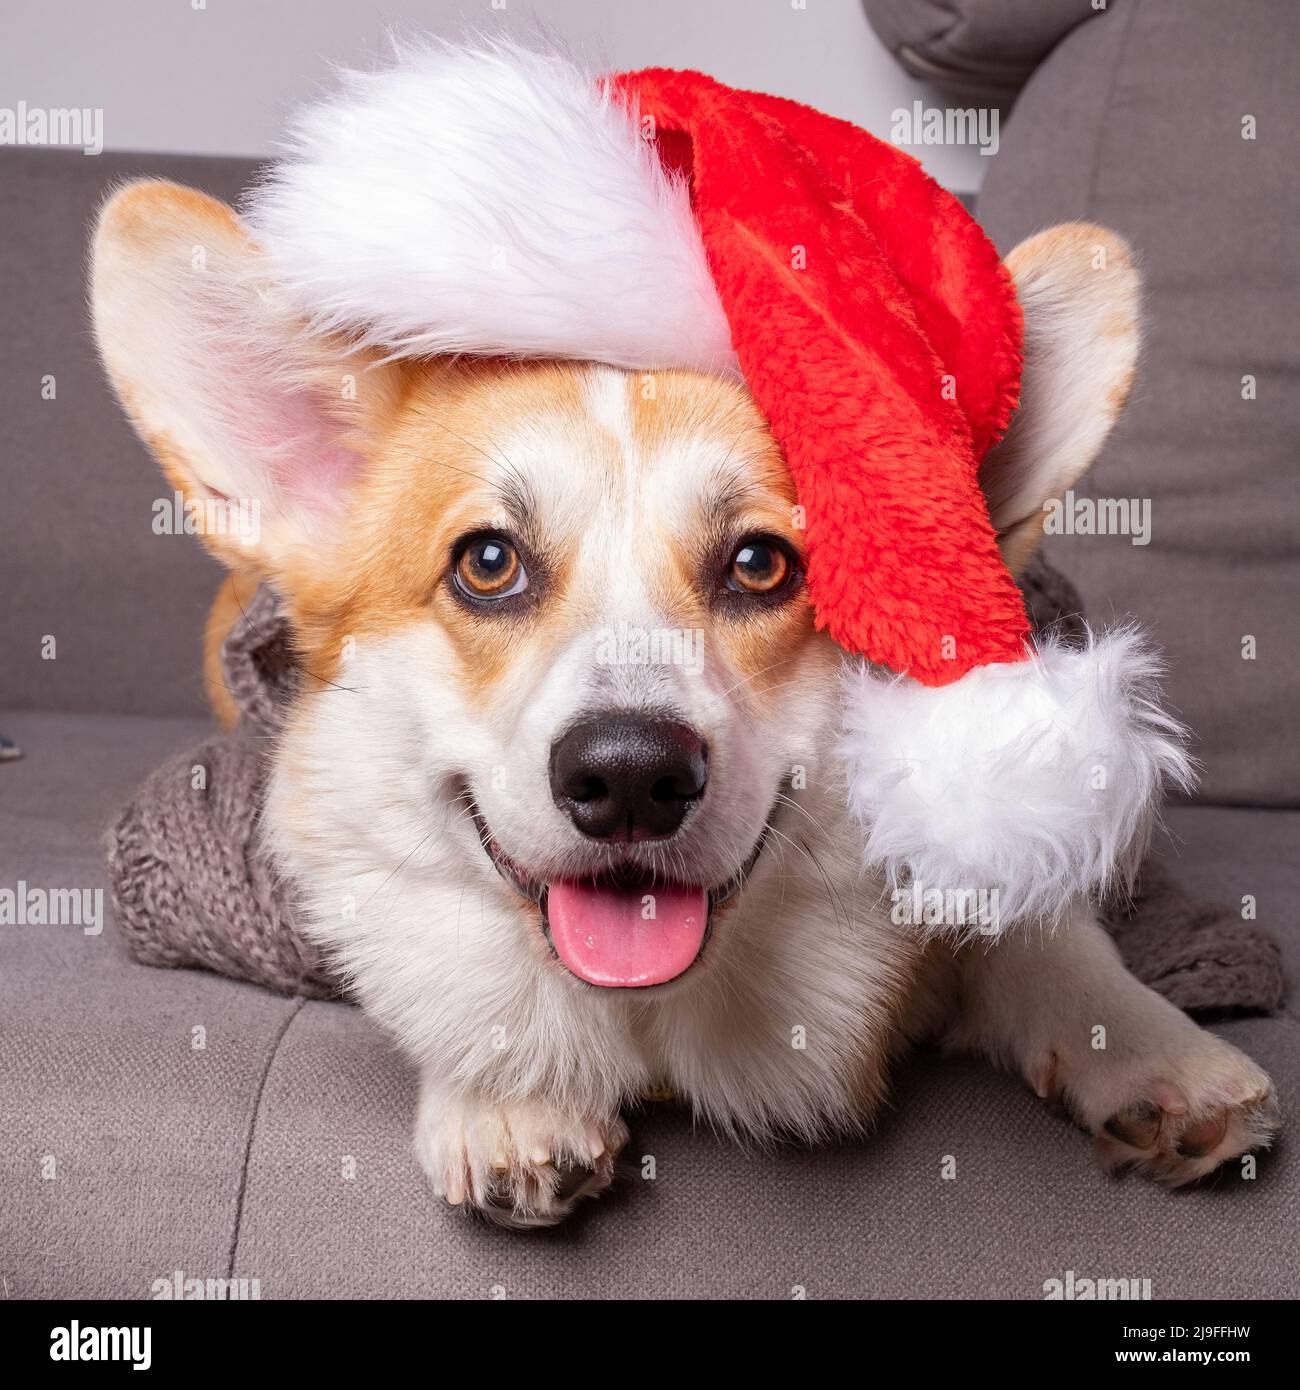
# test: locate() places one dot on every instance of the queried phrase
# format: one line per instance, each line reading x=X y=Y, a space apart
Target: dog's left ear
x=238 y=404
x=1080 y=293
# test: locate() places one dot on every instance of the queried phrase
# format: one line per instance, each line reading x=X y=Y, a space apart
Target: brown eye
x=759 y=566
x=489 y=567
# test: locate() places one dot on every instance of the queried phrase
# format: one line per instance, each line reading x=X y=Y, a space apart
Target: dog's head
x=558 y=646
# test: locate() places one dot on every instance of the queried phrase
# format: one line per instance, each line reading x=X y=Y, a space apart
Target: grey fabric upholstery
x=79 y=560
x=234 y=1158
x=975 y=50
x=1136 y=123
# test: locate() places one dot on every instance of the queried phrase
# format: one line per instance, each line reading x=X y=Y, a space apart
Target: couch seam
x=271 y=1055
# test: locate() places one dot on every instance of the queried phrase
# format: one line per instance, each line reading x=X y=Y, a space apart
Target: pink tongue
x=625 y=937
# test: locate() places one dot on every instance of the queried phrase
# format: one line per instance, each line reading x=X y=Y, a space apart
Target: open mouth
x=626 y=927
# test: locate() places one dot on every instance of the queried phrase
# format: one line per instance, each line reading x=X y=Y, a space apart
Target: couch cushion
x=124 y=1142
x=976 y=50
x=1136 y=121
x=80 y=561
x=281 y=1151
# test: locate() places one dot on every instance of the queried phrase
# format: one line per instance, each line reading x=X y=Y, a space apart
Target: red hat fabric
x=880 y=335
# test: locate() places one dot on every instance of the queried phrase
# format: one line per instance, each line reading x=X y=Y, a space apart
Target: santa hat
x=504 y=202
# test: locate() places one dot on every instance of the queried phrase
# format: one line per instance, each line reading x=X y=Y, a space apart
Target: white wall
x=217 y=76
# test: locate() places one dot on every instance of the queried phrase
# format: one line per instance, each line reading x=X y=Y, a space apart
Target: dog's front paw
x=1174 y=1110
x=521 y=1164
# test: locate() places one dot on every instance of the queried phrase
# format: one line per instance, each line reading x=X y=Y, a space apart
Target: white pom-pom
x=1024 y=784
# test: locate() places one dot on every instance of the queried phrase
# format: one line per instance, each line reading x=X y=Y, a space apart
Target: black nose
x=628 y=777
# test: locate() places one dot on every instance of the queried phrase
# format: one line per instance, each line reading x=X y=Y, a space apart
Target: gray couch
x=154 y=1121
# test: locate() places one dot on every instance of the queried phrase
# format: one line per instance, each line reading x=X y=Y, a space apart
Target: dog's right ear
x=250 y=418
x=1079 y=291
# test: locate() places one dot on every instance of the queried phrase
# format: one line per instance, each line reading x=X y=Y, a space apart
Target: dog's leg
x=1157 y=1092
x=519 y=1163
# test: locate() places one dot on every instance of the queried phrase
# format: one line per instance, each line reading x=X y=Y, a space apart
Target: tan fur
x=426 y=483
x=152 y=227
x=232 y=600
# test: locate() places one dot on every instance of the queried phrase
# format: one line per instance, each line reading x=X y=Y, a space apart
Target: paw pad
x=1176 y=1143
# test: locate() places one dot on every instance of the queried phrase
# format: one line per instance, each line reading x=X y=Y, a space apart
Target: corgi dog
x=560 y=792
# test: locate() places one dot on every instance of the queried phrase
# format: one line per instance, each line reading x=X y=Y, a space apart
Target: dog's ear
x=1080 y=294
x=255 y=424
